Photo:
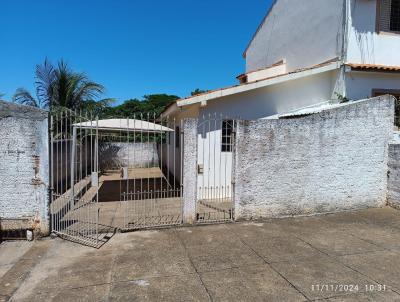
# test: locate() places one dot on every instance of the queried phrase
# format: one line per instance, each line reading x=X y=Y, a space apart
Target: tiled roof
x=281 y=62
x=373 y=67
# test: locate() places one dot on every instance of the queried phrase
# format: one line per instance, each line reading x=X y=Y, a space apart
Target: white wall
x=274 y=99
x=24 y=165
x=365 y=45
x=216 y=180
x=360 y=84
x=115 y=155
x=327 y=162
x=217 y=165
x=394 y=176
x=305 y=33
x=171 y=156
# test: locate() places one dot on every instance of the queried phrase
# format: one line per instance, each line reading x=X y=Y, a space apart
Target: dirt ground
x=353 y=256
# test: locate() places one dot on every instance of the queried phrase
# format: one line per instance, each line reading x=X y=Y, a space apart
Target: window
x=396 y=94
x=395 y=16
x=177 y=137
x=389 y=15
x=227 y=130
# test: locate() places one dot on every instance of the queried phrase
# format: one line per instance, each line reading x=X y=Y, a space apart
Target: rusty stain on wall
x=36 y=181
x=24 y=170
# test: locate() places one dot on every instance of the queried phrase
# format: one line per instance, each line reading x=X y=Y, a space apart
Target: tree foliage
x=60 y=86
x=153 y=104
x=198 y=91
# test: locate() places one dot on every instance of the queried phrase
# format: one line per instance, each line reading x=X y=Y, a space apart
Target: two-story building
x=303 y=53
x=309 y=52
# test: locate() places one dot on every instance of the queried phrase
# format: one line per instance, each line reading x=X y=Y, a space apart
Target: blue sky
x=131 y=47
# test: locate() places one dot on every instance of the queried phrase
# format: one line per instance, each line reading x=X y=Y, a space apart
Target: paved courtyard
x=352 y=256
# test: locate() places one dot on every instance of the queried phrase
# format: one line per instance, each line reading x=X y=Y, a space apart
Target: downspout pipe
x=345 y=39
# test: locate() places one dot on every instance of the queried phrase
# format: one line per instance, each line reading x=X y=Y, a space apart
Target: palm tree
x=60 y=86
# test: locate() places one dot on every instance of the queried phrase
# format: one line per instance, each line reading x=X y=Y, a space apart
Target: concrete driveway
x=351 y=256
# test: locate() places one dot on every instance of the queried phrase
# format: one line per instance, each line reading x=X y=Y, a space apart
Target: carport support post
x=189 y=170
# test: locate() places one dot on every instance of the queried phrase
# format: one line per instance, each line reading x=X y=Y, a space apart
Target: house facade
x=302 y=54
x=307 y=53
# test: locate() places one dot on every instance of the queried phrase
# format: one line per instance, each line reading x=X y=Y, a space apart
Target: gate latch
x=124 y=173
x=200 y=168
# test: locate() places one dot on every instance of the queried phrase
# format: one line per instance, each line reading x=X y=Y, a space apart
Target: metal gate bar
x=147 y=173
x=216 y=143
x=74 y=195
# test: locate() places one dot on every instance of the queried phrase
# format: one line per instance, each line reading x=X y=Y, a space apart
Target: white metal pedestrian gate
x=114 y=174
x=216 y=143
x=74 y=178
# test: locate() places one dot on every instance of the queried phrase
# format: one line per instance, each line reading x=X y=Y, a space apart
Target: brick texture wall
x=24 y=165
x=326 y=162
x=394 y=176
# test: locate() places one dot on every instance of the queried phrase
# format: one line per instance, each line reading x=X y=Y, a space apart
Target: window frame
x=177 y=137
x=380 y=91
x=227 y=147
x=378 y=21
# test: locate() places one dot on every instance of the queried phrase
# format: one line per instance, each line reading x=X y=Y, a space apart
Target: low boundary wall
x=24 y=168
x=394 y=176
x=114 y=155
x=331 y=161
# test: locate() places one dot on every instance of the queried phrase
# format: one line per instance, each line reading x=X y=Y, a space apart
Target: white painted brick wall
x=327 y=162
x=119 y=154
x=394 y=176
x=24 y=164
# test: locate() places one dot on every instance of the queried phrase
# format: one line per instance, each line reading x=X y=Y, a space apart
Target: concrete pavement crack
x=270 y=265
x=194 y=267
x=340 y=262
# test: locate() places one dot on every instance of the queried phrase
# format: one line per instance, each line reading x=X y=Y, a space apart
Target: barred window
x=227 y=130
x=389 y=15
x=395 y=16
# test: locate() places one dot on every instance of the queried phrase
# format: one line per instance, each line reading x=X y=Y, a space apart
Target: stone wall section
x=24 y=167
x=394 y=176
x=330 y=161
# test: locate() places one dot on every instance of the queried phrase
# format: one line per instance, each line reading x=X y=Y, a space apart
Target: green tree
x=97 y=108
x=153 y=104
x=60 y=86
